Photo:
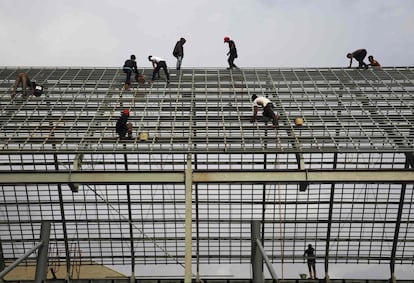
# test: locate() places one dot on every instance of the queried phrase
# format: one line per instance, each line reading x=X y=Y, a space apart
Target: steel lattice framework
x=343 y=181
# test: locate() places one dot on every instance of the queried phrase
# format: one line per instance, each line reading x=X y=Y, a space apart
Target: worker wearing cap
x=157 y=64
x=232 y=53
x=130 y=66
x=123 y=127
x=267 y=109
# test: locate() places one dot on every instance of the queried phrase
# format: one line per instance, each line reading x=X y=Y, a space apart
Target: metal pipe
x=256 y=255
x=188 y=222
x=20 y=259
x=267 y=260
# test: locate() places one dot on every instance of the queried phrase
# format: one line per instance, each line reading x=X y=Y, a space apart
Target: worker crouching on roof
x=359 y=55
x=123 y=127
x=157 y=64
x=267 y=109
x=23 y=79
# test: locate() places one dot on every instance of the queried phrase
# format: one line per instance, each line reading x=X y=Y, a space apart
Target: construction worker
x=178 y=52
x=130 y=66
x=123 y=127
x=359 y=55
x=310 y=255
x=232 y=53
x=373 y=62
x=23 y=79
x=157 y=64
x=267 y=109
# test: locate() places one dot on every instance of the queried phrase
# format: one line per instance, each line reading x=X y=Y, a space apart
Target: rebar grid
x=354 y=119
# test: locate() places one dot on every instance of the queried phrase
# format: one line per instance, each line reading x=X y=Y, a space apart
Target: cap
x=125 y=112
x=226 y=38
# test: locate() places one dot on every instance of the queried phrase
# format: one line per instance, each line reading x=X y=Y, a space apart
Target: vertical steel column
x=256 y=256
x=396 y=233
x=65 y=233
x=188 y=221
x=131 y=228
x=42 y=257
x=197 y=227
x=63 y=217
x=2 y=264
x=408 y=163
x=328 y=230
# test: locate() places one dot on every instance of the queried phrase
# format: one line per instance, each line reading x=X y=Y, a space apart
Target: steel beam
x=409 y=162
x=256 y=255
x=291 y=176
x=65 y=234
x=188 y=222
x=329 y=227
x=267 y=260
x=43 y=255
x=19 y=260
x=2 y=263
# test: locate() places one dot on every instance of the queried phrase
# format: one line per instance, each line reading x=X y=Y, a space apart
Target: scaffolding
x=343 y=181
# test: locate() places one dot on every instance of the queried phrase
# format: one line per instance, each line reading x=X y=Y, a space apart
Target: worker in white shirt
x=157 y=64
x=267 y=106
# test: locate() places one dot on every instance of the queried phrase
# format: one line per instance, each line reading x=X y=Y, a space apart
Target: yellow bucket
x=143 y=136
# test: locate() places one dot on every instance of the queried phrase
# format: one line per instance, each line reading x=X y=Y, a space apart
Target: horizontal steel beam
x=293 y=176
x=323 y=176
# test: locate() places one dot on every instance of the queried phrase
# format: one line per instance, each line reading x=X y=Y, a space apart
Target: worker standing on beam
x=310 y=255
x=178 y=52
x=232 y=53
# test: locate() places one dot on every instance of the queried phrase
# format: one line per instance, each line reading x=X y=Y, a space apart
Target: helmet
x=226 y=38
x=125 y=112
x=298 y=121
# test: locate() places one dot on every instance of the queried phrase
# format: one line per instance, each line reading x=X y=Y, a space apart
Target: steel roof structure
x=343 y=181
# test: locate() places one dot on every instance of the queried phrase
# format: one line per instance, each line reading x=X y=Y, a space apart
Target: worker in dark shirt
x=129 y=66
x=310 y=255
x=178 y=52
x=359 y=55
x=123 y=127
x=232 y=53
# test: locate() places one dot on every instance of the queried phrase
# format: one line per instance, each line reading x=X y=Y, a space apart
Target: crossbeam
x=291 y=176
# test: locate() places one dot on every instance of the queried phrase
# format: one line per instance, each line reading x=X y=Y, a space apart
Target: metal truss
x=343 y=181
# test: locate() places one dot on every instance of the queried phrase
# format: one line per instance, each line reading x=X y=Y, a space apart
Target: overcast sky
x=268 y=33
